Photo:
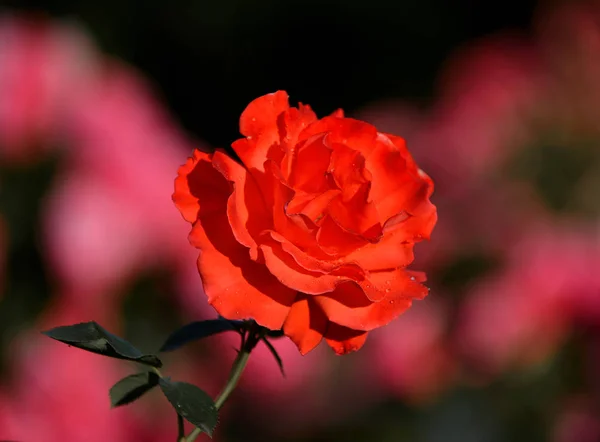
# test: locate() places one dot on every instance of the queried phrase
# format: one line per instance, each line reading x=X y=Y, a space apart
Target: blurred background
x=499 y=101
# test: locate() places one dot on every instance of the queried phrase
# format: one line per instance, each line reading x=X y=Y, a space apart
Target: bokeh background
x=100 y=102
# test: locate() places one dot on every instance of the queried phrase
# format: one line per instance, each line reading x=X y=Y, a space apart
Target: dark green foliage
x=92 y=337
x=191 y=403
x=199 y=330
x=132 y=388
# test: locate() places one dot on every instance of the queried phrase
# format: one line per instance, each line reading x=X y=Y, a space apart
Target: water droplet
x=253 y=119
x=412 y=278
x=388 y=290
x=368 y=286
x=392 y=301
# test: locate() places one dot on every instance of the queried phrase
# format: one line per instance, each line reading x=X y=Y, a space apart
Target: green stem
x=180 y=429
x=234 y=376
x=237 y=368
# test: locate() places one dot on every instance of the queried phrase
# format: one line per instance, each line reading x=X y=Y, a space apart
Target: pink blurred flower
x=569 y=39
x=42 y=67
x=110 y=215
x=410 y=357
x=490 y=92
x=520 y=315
x=3 y=247
x=578 y=421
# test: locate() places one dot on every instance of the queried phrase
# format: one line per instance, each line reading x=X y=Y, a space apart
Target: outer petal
x=349 y=306
x=344 y=340
x=199 y=187
x=391 y=284
x=399 y=185
x=236 y=286
x=392 y=251
x=259 y=124
x=305 y=324
x=246 y=210
x=261 y=114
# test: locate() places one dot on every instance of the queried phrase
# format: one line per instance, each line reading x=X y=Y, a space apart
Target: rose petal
x=399 y=186
x=349 y=306
x=354 y=134
x=314 y=264
x=335 y=241
x=344 y=340
x=309 y=166
x=236 y=286
x=259 y=124
x=390 y=252
x=199 y=185
x=379 y=285
x=313 y=207
x=347 y=166
x=305 y=324
x=292 y=274
x=246 y=210
x=291 y=123
x=357 y=215
x=297 y=228
x=261 y=114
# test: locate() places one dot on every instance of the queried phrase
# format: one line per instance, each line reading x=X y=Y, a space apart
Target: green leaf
x=92 y=337
x=199 y=330
x=191 y=403
x=275 y=355
x=132 y=388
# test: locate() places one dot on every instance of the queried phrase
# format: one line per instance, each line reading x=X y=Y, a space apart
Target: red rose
x=312 y=233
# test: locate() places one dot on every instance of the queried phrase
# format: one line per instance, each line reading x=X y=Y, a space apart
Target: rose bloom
x=313 y=230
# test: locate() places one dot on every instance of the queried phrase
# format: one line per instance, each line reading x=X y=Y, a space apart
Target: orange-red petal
x=390 y=252
x=294 y=121
x=357 y=215
x=305 y=324
x=311 y=206
x=335 y=241
x=354 y=134
x=261 y=114
x=348 y=305
x=199 y=186
x=236 y=286
x=309 y=166
x=246 y=210
x=259 y=124
x=399 y=185
x=286 y=265
x=347 y=166
x=344 y=340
